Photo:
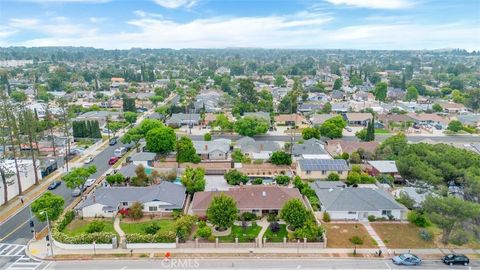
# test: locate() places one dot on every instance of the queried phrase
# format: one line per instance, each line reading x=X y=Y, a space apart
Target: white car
x=89 y=182
x=88 y=160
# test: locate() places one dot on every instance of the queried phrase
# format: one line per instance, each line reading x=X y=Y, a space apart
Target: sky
x=290 y=24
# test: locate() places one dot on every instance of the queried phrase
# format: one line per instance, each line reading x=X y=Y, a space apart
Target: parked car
x=89 y=182
x=349 y=129
x=120 y=151
x=407 y=259
x=113 y=160
x=88 y=160
x=438 y=127
x=113 y=141
x=452 y=259
x=54 y=185
x=76 y=192
x=416 y=126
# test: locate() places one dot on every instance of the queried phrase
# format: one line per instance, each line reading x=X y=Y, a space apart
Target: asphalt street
x=253 y=263
x=380 y=138
x=16 y=230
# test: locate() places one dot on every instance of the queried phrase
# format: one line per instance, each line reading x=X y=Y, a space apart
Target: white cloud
x=97 y=19
x=176 y=3
x=56 y=26
x=301 y=30
x=374 y=4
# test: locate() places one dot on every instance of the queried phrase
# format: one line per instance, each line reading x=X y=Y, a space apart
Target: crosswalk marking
x=22 y=262
x=8 y=250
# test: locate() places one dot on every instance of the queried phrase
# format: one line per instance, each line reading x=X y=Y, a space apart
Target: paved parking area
x=216 y=182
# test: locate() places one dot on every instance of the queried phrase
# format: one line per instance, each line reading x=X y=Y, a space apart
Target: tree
x=327 y=108
x=207 y=137
x=28 y=126
x=18 y=96
x=391 y=147
x=160 y=140
x=246 y=90
x=282 y=180
x=412 y=93
x=333 y=127
x=333 y=177
x=380 y=91
x=149 y=124
x=353 y=178
x=129 y=104
x=250 y=126
x=455 y=126
x=361 y=134
x=185 y=151
x=222 y=122
x=193 y=180
x=235 y=177
x=140 y=179
x=437 y=108
x=280 y=80
x=50 y=204
x=281 y=158
x=130 y=117
x=294 y=213
x=77 y=177
x=473 y=100
x=222 y=211
x=370 y=135
x=448 y=212
x=114 y=126
x=310 y=132
x=337 y=84
x=457 y=96
x=355 y=157
x=116 y=178
x=136 y=210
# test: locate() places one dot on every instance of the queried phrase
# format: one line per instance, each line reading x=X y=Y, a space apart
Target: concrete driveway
x=216 y=182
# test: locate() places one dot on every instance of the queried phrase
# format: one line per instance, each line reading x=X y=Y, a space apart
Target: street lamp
x=49 y=235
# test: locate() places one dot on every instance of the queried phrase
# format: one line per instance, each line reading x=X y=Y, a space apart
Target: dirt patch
x=339 y=235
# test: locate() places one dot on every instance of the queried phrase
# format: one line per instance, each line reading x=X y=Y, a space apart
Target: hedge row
x=159 y=237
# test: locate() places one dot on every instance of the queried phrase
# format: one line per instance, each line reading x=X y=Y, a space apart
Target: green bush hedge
x=65 y=220
x=88 y=238
x=159 y=237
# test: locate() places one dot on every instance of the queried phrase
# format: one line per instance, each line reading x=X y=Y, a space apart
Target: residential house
x=156 y=116
x=319 y=119
x=383 y=167
x=341 y=107
x=429 y=119
x=469 y=119
x=358 y=119
x=290 y=119
x=418 y=195
x=212 y=150
x=100 y=116
x=159 y=199
x=452 y=107
x=350 y=203
x=321 y=168
x=338 y=95
x=259 y=200
x=257 y=150
x=310 y=107
x=391 y=120
x=180 y=119
x=310 y=149
x=263 y=170
x=146 y=159
x=395 y=94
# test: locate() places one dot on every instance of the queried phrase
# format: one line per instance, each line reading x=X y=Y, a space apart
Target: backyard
x=79 y=226
x=130 y=227
x=339 y=235
x=278 y=236
x=401 y=235
x=244 y=235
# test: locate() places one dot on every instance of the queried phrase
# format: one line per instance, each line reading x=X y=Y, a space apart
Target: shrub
x=257 y=181
x=202 y=224
x=272 y=217
x=418 y=219
x=136 y=210
x=207 y=137
x=183 y=226
x=426 y=235
x=247 y=216
x=151 y=228
x=159 y=237
x=310 y=230
x=372 y=218
x=333 y=177
x=356 y=240
x=282 y=180
x=459 y=237
x=95 y=226
x=204 y=232
x=67 y=218
x=326 y=217
x=274 y=227
x=235 y=177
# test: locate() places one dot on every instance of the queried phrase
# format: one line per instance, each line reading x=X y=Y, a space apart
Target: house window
x=324 y=172
x=152 y=209
x=255 y=211
x=386 y=212
x=352 y=213
x=125 y=203
x=339 y=172
x=309 y=172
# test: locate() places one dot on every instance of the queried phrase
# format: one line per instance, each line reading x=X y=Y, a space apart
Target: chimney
x=261 y=147
x=206 y=147
x=264 y=194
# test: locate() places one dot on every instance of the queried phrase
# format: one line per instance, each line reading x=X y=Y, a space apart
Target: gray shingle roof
x=144 y=156
x=249 y=145
x=172 y=194
x=384 y=166
x=356 y=199
x=323 y=165
x=309 y=147
x=128 y=170
x=205 y=147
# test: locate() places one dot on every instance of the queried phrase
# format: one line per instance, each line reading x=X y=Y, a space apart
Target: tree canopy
x=50 y=204
x=250 y=126
x=161 y=140
x=193 y=179
x=77 y=176
x=222 y=211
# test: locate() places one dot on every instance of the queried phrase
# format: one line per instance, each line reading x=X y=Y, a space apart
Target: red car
x=113 y=160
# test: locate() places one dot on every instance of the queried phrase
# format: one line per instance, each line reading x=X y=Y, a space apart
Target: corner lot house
x=157 y=199
x=259 y=200
x=349 y=203
x=321 y=168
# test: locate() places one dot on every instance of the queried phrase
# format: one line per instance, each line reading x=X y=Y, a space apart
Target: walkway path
x=375 y=236
x=265 y=224
x=118 y=229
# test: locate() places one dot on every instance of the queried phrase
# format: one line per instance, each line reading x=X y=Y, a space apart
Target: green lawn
x=278 y=236
x=138 y=227
x=244 y=236
x=79 y=226
x=381 y=130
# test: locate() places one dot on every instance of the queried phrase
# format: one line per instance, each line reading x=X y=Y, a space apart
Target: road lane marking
x=388 y=266
x=16 y=229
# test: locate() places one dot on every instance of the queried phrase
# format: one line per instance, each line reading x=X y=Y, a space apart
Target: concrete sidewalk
x=38 y=250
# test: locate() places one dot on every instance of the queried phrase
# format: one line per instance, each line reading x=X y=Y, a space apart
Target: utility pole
x=49 y=235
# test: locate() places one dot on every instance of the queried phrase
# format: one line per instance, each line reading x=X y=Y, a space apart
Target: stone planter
x=221 y=233
x=288 y=229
